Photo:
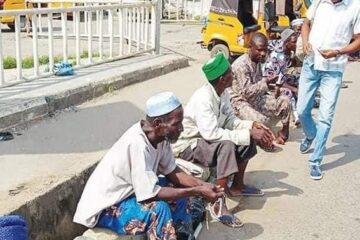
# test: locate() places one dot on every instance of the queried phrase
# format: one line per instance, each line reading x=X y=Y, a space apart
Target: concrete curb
x=37 y=108
x=49 y=215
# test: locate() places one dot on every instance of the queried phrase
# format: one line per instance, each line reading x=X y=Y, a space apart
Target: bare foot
x=279 y=140
x=224 y=210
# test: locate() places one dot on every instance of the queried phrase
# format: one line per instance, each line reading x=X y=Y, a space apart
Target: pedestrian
x=326 y=33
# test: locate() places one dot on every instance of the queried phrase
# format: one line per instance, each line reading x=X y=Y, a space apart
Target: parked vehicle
x=231 y=23
x=14 y=5
x=22 y=4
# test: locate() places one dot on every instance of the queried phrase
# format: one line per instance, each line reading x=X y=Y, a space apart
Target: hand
x=215 y=188
x=307 y=48
x=262 y=134
x=210 y=193
x=271 y=79
x=328 y=53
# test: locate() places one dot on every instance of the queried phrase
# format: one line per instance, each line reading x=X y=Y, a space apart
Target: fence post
x=35 y=44
x=157 y=26
x=18 y=48
x=2 y=77
x=51 y=42
x=77 y=37
x=90 y=36
x=64 y=34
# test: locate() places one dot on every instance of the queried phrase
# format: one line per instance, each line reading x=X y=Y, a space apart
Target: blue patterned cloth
x=13 y=227
x=156 y=219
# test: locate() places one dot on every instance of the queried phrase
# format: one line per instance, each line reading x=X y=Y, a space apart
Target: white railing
x=106 y=31
x=184 y=10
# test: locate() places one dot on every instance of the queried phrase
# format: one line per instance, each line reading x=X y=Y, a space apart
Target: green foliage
x=9 y=62
x=57 y=59
x=84 y=54
x=44 y=60
x=27 y=62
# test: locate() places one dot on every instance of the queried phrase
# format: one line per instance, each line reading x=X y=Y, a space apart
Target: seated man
x=214 y=136
x=124 y=194
x=282 y=64
x=249 y=92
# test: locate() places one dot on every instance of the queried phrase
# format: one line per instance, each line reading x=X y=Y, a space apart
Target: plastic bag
x=63 y=69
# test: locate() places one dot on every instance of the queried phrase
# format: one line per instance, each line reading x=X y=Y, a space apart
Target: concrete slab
x=29 y=101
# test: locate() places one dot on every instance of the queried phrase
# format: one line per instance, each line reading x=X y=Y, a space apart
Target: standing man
x=124 y=194
x=326 y=35
x=214 y=136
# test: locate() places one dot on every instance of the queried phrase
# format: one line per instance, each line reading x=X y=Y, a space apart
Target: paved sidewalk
x=29 y=101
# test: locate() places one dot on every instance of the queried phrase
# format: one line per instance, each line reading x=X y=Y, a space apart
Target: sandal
x=228 y=220
x=268 y=148
x=249 y=191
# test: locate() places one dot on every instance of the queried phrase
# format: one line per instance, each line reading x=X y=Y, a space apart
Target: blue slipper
x=251 y=191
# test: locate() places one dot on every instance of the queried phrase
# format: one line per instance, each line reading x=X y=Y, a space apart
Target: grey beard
x=169 y=140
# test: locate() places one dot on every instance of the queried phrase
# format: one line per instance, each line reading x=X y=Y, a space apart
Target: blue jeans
x=329 y=83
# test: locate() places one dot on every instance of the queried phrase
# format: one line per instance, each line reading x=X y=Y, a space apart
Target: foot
x=245 y=191
x=305 y=145
x=315 y=172
x=220 y=212
x=283 y=134
x=279 y=140
x=344 y=85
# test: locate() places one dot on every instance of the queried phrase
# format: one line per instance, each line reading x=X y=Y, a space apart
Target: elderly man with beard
x=250 y=97
x=124 y=193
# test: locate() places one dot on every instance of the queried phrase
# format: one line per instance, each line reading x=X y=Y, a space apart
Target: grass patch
x=27 y=62
x=44 y=60
x=84 y=54
x=9 y=62
x=58 y=59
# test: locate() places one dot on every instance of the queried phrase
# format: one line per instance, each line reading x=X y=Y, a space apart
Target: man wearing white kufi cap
x=124 y=193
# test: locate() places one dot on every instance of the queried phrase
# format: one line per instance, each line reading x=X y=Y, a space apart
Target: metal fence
x=112 y=29
x=184 y=10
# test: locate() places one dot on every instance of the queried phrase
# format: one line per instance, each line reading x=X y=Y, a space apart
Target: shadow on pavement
x=347 y=144
x=88 y=130
x=219 y=231
x=270 y=182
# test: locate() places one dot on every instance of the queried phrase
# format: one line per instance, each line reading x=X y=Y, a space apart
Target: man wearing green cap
x=214 y=136
x=249 y=92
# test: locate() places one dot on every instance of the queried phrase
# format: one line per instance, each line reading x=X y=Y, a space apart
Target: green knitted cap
x=216 y=67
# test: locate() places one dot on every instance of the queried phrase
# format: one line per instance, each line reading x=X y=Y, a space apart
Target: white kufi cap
x=161 y=104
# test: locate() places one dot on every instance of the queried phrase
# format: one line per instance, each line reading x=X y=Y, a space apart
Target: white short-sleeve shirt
x=131 y=166
x=333 y=26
